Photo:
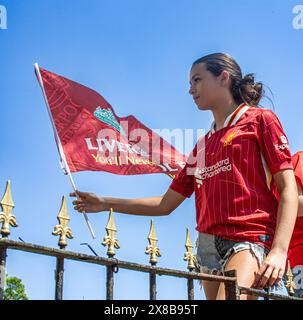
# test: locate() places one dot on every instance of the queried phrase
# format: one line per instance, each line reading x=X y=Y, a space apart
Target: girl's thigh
x=246 y=264
x=210 y=289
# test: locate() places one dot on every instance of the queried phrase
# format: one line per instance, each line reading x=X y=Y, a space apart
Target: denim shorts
x=214 y=252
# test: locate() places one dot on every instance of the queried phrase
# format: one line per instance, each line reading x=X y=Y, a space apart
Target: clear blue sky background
x=137 y=54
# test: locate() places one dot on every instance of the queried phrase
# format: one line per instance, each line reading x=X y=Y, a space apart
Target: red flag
x=94 y=138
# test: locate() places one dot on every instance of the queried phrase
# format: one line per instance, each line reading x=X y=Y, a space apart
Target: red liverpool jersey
x=236 y=197
x=295 y=253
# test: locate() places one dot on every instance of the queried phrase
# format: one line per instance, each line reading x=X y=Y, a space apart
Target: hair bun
x=251 y=92
x=248 y=79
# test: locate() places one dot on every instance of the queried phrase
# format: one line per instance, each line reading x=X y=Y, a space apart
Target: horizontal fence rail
x=112 y=264
x=264 y=294
x=28 y=247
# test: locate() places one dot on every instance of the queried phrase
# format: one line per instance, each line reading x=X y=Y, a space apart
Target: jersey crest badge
x=228 y=140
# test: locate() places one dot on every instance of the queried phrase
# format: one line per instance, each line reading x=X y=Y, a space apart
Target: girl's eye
x=197 y=79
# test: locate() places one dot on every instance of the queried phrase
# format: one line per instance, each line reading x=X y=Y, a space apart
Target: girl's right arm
x=153 y=206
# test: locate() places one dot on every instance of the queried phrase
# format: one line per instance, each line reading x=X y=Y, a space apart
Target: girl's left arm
x=273 y=268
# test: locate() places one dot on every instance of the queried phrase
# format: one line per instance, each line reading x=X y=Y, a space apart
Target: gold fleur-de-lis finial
x=6 y=216
x=62 y=229
x=110 y=239
x=151 y=248
x=189 y=256
x=290 y=285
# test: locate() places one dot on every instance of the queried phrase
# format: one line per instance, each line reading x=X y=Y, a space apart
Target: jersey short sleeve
x=184 y=182
x=274 y=143
x=297 y=161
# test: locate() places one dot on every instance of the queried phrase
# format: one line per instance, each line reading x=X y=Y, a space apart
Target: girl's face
x=206 y=88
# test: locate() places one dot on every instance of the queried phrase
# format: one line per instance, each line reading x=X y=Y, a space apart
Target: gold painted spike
x=152 y=249
x=63 y=217
x=7 y=202
x=110 y=239
x=290 y=285
x=6 y=216
x=62 y=229
x=189 y=256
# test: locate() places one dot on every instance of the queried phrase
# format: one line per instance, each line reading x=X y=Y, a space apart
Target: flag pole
x=61 y=151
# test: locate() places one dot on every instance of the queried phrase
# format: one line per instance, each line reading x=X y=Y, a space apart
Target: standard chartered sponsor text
x=210 y=171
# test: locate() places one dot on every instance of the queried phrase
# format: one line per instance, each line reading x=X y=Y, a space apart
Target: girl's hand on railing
x=272 y=270
x=87 y=202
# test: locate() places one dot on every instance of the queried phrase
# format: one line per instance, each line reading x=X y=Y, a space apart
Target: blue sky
x=137 y=54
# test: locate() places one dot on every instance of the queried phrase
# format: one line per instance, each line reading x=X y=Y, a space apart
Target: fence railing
x=229 y=278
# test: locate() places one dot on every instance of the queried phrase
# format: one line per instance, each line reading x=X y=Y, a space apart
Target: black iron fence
x=229 y=278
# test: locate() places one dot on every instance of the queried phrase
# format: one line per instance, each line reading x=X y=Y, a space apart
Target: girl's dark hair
x=243 y=89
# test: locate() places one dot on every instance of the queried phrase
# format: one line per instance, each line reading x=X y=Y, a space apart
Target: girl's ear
x=225 y=76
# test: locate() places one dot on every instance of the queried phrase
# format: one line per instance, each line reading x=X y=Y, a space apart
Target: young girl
x=237 y=171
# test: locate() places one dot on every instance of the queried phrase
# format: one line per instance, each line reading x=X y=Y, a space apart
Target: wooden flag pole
x=61 y=151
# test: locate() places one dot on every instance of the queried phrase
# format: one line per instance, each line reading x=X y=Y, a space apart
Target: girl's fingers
x=77 y=202
x=78 y=194
x=258 y=276
x=79 y=208
x=81 y=194
x=273 y=277
x=280 y=277
x=266 y=276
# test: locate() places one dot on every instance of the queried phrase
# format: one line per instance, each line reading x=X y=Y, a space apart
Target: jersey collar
x=231 y=119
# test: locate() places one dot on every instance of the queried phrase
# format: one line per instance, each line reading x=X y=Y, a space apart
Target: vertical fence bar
x=109 y=282
x=267 y=291
x=59 y=278
x=190 y=289
x=7 y=219
x=191 y=259
x=112 y=242
x=3 y=256
x=152 y=286
x=231 y=288
x=154 y=252
x=64 y=232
